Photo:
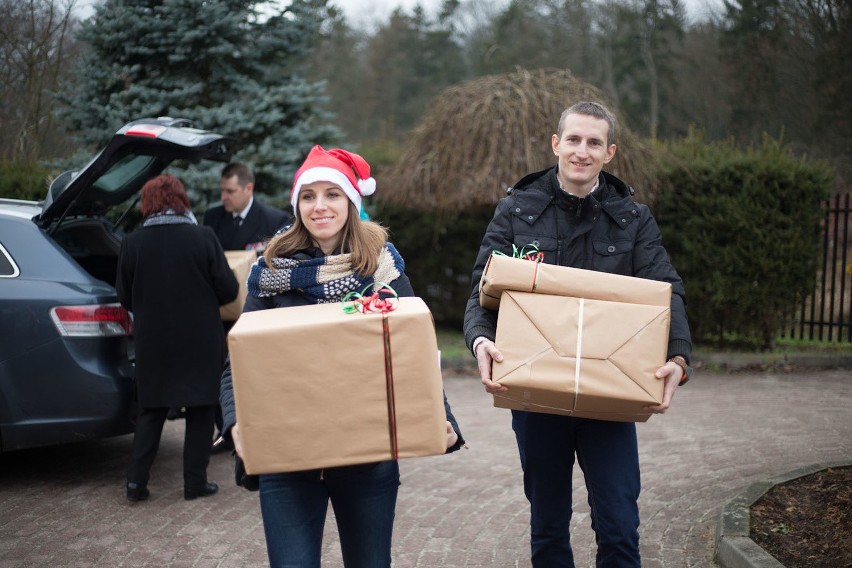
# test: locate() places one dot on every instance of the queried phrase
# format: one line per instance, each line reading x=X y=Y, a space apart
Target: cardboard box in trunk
x=508 y=273
x=580 y=357
x=314 y=387
x=240 y=262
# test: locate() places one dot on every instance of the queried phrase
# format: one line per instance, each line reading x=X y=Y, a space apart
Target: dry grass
x=480 y=137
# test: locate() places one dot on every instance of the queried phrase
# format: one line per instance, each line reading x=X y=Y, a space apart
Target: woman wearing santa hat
x=328 y=252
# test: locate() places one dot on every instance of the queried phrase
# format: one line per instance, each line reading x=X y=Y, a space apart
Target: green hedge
x=439 y=253
x=20 y=180
x=742 y=227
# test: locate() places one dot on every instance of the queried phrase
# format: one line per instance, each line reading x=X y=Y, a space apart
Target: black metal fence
x=827 y=314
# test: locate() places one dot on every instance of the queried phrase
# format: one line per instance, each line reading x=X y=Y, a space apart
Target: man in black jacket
x=579 y=216
x=242 y=222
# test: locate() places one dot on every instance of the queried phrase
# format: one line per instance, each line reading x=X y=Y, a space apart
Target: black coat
x=261 y=223
x=174 y=278
x=402 y=286
x=605 y=231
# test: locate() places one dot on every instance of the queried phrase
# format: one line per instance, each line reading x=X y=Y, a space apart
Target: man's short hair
x=589 y=108
x=244 y=174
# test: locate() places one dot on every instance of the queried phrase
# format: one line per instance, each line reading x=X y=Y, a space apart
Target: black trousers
x=196 y=444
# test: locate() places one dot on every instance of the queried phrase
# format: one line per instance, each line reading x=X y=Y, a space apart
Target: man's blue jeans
x=608 y=455
x=363 y=497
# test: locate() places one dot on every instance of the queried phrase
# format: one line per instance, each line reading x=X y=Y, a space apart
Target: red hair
x=163 y=193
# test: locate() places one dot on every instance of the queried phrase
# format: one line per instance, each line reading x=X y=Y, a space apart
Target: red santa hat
x=346 y=169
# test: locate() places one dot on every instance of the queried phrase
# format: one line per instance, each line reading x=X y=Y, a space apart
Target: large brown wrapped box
x=312 y=388
x=508 y=273
x=240 y=262
x=580 y=357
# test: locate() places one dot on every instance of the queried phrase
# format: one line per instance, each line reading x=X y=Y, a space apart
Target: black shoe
x=137 y=492
x=176 y=413
x=205 y=490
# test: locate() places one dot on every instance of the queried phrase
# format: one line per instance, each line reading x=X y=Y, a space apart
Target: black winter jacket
x=174 y=278
x=402 y=286
x=605 y=231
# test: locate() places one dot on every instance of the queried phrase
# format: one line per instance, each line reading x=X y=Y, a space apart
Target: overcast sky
x=365 y=12
x=359 y=11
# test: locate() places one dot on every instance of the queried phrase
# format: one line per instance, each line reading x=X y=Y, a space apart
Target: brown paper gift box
x=580 y=357
x=508 y=273
x=240 y=262
x=311 y=388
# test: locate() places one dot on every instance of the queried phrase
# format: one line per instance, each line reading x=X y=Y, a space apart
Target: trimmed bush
x=20 y=180
x=742 y=227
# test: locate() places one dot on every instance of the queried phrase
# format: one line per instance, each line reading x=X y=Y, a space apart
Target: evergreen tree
x=218 y=63
x=409 y=61
x=338 y=60
x=754 y=50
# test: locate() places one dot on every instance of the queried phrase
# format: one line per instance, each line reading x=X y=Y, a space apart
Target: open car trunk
x=93 y=243
x=78 y=208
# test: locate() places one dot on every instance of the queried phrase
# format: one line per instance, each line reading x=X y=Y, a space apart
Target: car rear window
x=124 y=171
x=8 y=268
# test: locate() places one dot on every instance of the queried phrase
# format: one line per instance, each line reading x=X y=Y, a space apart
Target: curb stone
x=734 y=547
x=735 y=361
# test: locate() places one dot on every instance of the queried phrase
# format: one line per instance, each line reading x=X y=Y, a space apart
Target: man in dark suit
x=242 y=222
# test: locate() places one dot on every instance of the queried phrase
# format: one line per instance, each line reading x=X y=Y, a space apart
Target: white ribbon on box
x=579 y=353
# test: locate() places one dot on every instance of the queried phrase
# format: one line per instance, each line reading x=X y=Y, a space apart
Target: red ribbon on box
x=375 y=303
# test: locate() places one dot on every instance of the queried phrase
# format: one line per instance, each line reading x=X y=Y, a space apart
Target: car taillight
x=104 y=320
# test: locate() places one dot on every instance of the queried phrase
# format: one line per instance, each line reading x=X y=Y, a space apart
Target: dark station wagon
x=66 y=353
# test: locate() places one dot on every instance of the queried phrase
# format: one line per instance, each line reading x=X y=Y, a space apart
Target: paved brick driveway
x=65 y=506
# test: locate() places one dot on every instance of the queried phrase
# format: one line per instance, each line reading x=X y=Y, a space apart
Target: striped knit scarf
x=324 y=280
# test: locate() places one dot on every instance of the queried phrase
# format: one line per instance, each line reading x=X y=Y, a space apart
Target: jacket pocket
x=613 y=256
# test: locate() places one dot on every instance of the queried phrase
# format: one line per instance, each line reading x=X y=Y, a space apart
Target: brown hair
x=362 y=239
x=593 y=109
x=244 y=174
x=163 y=193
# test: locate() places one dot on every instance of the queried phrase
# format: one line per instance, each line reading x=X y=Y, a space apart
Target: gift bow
x=533 y=254
x=360 y=302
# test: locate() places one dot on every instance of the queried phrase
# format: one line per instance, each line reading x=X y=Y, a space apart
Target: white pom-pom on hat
x=367 y=186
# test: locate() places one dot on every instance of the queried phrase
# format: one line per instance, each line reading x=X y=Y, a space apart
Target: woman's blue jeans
x=608 y=454
x=294 y=507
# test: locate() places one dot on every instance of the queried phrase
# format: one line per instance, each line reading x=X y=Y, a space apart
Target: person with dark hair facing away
x=327 y=253
x=173 y=276
x=582 y=217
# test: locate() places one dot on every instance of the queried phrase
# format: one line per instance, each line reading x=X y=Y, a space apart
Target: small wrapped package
x=317 y=387
x=580 y=357
x=240 y=262
x=508 y=273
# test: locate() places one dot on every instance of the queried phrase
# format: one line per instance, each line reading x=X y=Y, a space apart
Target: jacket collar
x=536 y=191
x=544 y=180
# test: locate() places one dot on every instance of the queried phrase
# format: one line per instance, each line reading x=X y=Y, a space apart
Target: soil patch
x=807 y=522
